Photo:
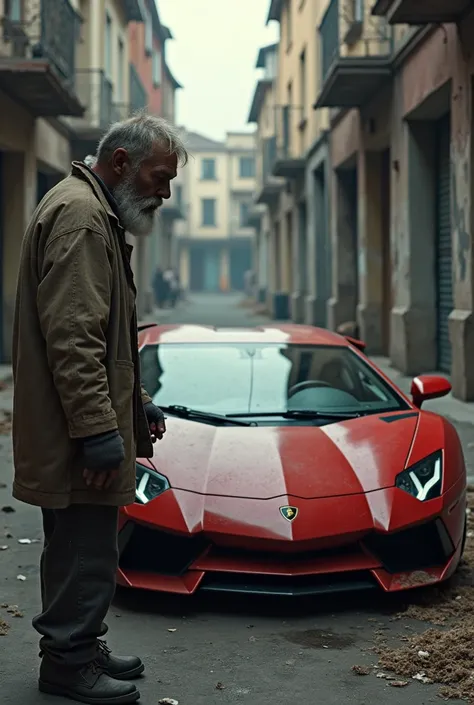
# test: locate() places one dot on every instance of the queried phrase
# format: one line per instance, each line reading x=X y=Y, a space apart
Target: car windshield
x=253 y=379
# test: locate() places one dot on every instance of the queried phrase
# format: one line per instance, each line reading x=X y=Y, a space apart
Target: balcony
x=269 y=187
x=95 y=93
x=356 y=51
x=288 y=164
x=37 y=58
x=420 y=12
x=138 y=94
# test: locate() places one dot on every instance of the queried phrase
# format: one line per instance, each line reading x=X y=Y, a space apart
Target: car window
x=245 y=378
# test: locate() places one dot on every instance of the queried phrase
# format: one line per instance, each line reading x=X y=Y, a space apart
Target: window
x=208 y=169
x=289 y=24
x=247 y=168
x=209 y=212
x=358 y=10
x=13 y=10
x=303 y=82
x=148 y=33
x=121 y=71
x=108 y=46
x=252 y=378
x=156 y=68
x=178 y=190
x=244 y=214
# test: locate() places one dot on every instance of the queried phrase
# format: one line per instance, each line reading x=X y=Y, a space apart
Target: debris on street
x=21 y=577
x=361 y=670
x=443 y=653
x=14 y=611
x=5 y=423
x=168 y=701
x=8 y=510
x=4 y=627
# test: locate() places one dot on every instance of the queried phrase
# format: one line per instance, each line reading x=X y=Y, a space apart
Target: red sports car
x=291 y=465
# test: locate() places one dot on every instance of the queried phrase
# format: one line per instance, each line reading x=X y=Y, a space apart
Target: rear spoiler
x=144 y=326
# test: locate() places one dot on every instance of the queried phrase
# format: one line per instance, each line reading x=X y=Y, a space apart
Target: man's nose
x=164 y=192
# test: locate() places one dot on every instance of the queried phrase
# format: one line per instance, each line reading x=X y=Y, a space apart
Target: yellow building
x=294 y=159
x=214 y=240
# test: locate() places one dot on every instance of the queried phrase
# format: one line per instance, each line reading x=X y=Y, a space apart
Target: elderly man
x=80 y=414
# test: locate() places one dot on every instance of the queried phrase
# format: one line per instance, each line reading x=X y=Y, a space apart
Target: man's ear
x=120 y=161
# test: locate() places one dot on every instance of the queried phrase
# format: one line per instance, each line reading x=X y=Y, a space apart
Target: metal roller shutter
x=444 y=258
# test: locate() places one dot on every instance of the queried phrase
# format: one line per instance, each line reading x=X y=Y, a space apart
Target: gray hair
x=138 y=135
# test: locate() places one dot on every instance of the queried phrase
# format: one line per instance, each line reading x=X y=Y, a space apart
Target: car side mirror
x=359 y=344
x=426 y=387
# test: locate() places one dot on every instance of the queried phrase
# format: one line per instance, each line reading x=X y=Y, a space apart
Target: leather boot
x=122 y=668
x=89 y=685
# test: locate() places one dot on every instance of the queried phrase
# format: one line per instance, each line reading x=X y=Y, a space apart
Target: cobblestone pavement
x=200 y=651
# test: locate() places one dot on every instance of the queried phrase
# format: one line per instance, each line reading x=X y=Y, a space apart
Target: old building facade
x=215 y=240
x=393 y=89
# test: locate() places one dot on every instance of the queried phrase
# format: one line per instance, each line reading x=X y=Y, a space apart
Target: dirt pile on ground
x=444 y=655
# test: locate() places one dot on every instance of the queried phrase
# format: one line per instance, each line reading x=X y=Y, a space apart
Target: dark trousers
x=78 y=573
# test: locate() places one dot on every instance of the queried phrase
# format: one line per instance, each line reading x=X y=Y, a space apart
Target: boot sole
x=129 y=675
x=53 y=689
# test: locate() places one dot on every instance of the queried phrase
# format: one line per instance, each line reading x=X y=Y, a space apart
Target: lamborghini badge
x=289 y=513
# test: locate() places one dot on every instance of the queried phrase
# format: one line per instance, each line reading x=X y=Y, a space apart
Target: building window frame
x=244 y=210
x=108 y=59
x=157 y=68
x=248 y=173
x=148 y=33
x=208 y=169
x=208 y=215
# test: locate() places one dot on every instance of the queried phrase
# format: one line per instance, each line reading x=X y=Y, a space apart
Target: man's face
x=141 y=191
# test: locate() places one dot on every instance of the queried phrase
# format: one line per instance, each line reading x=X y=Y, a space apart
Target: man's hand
x=156 y=420
x=102 y=455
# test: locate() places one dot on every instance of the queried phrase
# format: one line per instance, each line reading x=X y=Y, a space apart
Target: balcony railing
x=269 y=153
x=37 y=57
x=356 y=50
x=95 y=93
x=268 y=187
x=138 y=94
x=288 y=162
x=422 y=12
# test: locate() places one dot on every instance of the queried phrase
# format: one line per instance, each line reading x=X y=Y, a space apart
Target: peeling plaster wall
x=435 y=79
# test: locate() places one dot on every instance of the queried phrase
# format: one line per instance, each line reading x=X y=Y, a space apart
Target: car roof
x=291 y=333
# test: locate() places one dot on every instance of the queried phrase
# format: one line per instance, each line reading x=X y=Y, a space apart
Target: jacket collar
x=81 y=171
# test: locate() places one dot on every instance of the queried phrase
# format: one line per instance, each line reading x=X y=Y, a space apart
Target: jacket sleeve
x=145 y=396
x=73 y=302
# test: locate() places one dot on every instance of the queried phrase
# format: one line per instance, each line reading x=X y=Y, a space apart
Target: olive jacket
x=75 y=347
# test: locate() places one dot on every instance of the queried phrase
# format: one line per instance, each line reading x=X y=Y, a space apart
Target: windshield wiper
x=185 y=412
x=304 y=414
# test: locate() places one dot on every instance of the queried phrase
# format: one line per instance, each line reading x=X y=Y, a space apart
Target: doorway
x=387 y=296
x=444 y=257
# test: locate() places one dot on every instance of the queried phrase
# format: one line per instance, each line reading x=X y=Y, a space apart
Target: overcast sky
x=213 y=55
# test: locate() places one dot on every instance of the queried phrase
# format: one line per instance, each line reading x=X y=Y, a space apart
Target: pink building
x=148 y=55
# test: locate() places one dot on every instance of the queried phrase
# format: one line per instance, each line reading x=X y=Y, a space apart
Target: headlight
x=150 y=484
x=423 y=480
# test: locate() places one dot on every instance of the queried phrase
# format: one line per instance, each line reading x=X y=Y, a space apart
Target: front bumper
x=359 y=542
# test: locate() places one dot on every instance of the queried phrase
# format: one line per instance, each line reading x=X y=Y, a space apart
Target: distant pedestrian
x=172 y=286
x=80 y=415
x=159 y=288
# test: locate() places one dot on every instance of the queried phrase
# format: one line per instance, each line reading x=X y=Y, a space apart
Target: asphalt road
x=197 y=651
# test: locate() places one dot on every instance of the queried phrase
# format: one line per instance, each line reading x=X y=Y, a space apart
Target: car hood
x=357 y=455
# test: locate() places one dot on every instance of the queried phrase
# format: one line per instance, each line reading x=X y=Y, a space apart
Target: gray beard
x=135 y=215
